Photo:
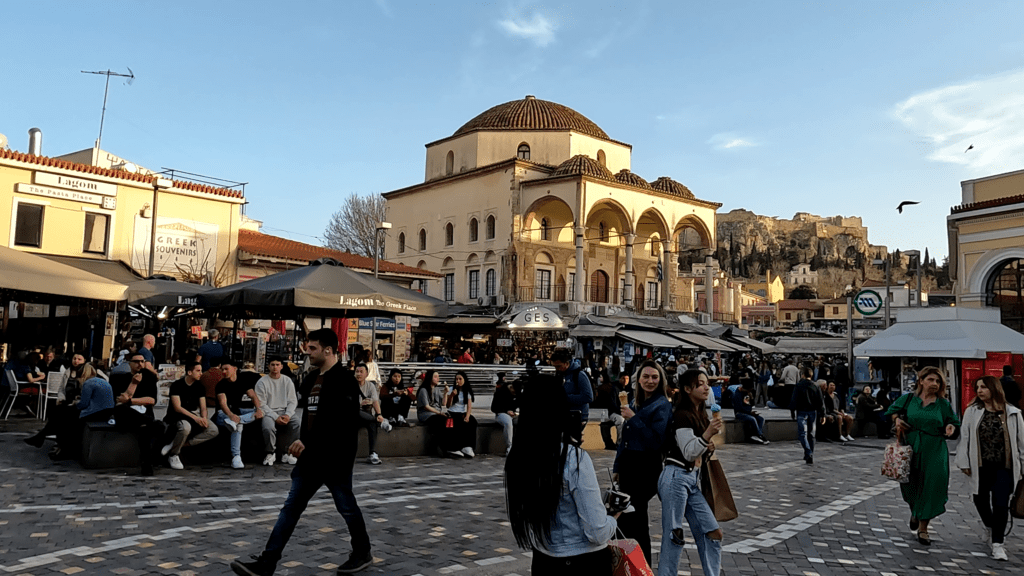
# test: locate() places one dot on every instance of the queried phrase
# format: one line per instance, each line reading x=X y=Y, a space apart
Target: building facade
x=802 y=274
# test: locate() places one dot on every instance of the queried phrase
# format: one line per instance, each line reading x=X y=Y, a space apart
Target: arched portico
x=653 y=230
x=549 y=219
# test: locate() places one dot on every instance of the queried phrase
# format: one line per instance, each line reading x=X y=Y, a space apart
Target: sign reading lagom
x=867 y=302
x=350 y=302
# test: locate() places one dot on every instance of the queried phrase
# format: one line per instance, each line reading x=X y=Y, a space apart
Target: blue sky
x=776 y=107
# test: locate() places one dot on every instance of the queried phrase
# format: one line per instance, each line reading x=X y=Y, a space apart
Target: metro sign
x=868 y=302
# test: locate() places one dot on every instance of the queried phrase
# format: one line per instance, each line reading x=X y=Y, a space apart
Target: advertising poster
x=167 y=374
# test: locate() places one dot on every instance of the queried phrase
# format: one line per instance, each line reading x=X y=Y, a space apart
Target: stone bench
x=103 y=446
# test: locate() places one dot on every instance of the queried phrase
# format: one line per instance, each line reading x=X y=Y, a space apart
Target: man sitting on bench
x=238 y=405
x=134 y=397
x=187 y=415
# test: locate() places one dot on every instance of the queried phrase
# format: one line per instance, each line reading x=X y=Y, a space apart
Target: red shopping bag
x=628 y=559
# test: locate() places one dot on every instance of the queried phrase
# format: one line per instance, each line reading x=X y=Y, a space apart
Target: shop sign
x=76 y=184
x=536 y=318
x=13 y=310
x=385 y=324
x=366 y=323
x=72 y=195
x=197 y=331
x=180 y=243
x=37 y=310
x=62 y=311
x=868 y=302
x=505 y=342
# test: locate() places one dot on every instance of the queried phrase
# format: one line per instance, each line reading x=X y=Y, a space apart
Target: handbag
x=715 y=488
x=1017 y=502
x=896 y=461
x=628 y=558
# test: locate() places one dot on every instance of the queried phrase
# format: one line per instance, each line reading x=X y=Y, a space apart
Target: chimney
x=35 y=142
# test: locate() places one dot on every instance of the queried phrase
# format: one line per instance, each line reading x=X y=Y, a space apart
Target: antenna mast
x=131 y=78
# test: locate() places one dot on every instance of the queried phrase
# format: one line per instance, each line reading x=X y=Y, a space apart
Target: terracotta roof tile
x=532 y=114
x=798 y=305
x=109 y=173
x=666 y=184
x=1015 y=199
x=627 y=177
x=260 y=244
x=583 y=164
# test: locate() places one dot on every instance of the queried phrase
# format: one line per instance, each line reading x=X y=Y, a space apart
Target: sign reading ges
x=868 y=302
x=536 y=317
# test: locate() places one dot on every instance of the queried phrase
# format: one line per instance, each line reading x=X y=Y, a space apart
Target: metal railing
x=551 y=293
x=481 y=376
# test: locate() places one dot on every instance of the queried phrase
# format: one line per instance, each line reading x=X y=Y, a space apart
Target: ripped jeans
x=681 y=499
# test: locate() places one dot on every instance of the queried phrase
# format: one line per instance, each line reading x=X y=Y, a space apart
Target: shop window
x=542 y=286
x=449 y=163
x=449 y=234
x=28 y=227
x=97 y=227
x=492 y=282
x=474 y=284
x=474 y=230
x=490 y=227
x=401 y=243
x=449 y=287
x=523 y=153
x=544 y=229
x=423 y=240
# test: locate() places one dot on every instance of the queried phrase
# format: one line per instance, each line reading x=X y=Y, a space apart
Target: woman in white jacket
x=991 y=452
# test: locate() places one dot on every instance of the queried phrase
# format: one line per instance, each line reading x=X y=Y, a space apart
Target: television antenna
x=108 y=73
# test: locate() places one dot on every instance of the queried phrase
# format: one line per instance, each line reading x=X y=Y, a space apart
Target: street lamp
x=916 y=255
x=878 y=262
x=158 y=185
x=377 y=244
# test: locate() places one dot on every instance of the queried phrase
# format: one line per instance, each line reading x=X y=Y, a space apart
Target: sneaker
x=270 y=459
x=468 y=452
x=289 y=459
x=756 y=440
x=236 y=463
x=166 y=449
x=385 y=426
x=175 y=462
x=35 y=440
x=455 y=454
x=764 y=440
x=402 y=422
x=999 y=552
x=355 y=563
x=373 y=459
x=259 y=567
x=230 y=425
x=849 y=438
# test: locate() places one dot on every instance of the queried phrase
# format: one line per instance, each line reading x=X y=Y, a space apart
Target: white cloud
x=986 y=113
x=539 y=29
x=729 y=141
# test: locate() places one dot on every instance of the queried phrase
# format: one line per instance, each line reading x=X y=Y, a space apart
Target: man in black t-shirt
x=238 y=403
x=187 y=415
x=134 y=397
x=326 y=451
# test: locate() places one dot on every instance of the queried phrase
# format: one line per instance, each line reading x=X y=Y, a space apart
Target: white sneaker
x=166 y=449
x=236 y=463
x=289 y=459
x=385 y=426
x=373 y=459
x=401 y=420
x=999 y=552
x=231 y=426
x=468 y=452
x=849 y=438
x=175 y=462
x=455 y=454
x=269 y=460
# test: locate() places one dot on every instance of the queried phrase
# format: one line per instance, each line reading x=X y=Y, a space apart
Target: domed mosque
x=531 y=203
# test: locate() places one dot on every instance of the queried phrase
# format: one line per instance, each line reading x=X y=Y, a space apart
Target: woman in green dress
x=925 y=419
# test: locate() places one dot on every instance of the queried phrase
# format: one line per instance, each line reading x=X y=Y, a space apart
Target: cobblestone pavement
x=430 y=517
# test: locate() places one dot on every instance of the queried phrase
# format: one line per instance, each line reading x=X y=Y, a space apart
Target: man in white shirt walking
x=277 y=396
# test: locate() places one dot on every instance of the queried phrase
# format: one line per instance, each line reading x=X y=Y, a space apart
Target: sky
x=778 y=107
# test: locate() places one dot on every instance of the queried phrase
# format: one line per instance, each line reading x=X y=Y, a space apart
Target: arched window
x=490 y=227
x=602 y=232
x=523 y=153
x=599 y=286
x=654 y=245
x=449 y=163
x=423 y=239
x=474 y=230
x=401 y=242
x=1006 y=292
x=544 y=229
x=492 y=282
x=449 y=234
x=601 y=159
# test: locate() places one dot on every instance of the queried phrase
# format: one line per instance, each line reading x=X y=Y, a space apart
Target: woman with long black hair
x=431 y=411
x=460 y=410
x=551 y=489
x=638 y=461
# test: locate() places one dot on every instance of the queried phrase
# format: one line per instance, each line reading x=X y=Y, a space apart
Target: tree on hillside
x=353 y=227
x=803 y=292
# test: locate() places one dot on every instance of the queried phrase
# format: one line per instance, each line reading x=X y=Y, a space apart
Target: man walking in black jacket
x=809 y=406
x=326 y=450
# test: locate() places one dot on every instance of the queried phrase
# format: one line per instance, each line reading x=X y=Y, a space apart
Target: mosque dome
x=627 y=177
x=583 y=164
x=532 y=114
x=666 y=184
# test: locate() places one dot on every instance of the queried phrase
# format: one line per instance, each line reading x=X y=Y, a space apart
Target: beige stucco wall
x=998 y=187
x=617 y=156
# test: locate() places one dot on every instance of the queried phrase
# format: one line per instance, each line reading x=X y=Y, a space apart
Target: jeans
x=761 y=394
x=369 y=421
x=681 y=498
x=270 y=428
x=246 y=415
x=507 y=422
x=753 y=424
x=995 y=486
x=304 y=485
x=805 y=425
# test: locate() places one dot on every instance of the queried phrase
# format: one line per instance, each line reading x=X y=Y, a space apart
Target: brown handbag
x=1017 y=502
x=716 y=490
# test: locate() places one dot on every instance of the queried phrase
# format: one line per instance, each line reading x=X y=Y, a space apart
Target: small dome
x=532 y=114
x=583 y=164
x=666 y=184
x=627 y=177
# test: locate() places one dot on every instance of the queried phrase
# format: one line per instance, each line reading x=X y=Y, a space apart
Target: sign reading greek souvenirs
x=185 y=245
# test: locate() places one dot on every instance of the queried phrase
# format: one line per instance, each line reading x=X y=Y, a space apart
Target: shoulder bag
x=896 y=461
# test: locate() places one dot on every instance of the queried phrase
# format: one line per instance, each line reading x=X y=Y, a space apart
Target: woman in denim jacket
x=551 y=490
x=679 y=486
x=638 y=461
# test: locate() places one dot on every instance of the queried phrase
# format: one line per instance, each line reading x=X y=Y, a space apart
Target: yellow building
x=771 y=288
x=986 y=245
x=532 y=202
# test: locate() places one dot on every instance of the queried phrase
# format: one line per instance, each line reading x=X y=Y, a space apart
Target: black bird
x=904 y=203
x=969 y=148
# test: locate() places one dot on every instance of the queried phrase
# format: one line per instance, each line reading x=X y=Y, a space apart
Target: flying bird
x=904 y=203
x=969 y=148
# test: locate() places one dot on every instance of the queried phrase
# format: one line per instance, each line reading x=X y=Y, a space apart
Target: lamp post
x=158 y=185
x=377 y=244
x=878 y=262
x=916 y=255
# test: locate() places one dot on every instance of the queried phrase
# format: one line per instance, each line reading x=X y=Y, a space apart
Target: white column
x=578 y=295
x=627 y=289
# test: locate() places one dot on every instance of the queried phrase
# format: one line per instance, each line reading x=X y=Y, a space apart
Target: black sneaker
x=258 y=567
x=355 y=563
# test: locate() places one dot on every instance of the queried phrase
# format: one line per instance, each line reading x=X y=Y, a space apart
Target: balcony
x=549 y=293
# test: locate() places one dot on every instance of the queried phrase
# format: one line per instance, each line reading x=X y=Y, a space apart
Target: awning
x=751 y=343
x=706 y=343
x=951 y=333
x=31 y=273
x=592 y=331
x=489 y=320
x=653 y=339
x=790 y=345
x=110 y=269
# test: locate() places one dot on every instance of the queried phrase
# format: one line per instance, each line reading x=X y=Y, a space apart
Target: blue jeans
x=753 y=424
x=246 y=415
x=806 y=422
x=506 y=422
x=304 y=485
x=681 y=498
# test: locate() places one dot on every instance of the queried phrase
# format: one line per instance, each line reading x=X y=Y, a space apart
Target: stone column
x=627 y=287
x=709 y=287
x=667 y=273
x=581 y=279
